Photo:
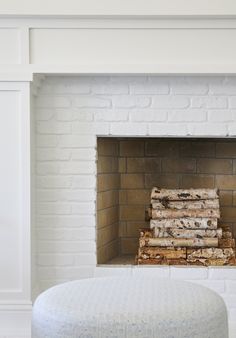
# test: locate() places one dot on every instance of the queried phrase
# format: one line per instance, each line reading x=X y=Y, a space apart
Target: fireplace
x=103 y=142
x=128 y=168
x=68 y=81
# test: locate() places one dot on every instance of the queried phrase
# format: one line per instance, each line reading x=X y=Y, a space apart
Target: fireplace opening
x=127 y=170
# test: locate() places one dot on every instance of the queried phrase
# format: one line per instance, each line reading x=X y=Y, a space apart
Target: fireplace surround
x=66 y=82
x=82 y=120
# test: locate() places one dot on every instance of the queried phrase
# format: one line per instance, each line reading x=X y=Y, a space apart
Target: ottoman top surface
x=122 y=297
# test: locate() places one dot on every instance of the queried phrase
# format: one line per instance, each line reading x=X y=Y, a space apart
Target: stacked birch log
x=184 y=230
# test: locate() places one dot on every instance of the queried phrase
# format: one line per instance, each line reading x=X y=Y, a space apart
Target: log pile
x=184 y=230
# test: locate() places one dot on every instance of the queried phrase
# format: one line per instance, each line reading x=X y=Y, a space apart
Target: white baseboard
x=15 y=321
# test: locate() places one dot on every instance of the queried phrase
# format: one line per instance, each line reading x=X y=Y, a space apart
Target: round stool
x=118 y=307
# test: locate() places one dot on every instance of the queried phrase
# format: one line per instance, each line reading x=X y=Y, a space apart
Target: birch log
x=169 y=213
x=162 y=261
x=227 y=234
x=157 y=253
x=150 y=261
x=179 y=242
x=211 y=256
x=185 y=223
x=212 y=261
x=186 y=233
x=146 y=233
x=227 y=243
x=202 y=204
x=184 y=194
x=214 y=253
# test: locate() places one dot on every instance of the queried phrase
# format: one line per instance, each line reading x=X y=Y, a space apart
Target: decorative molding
x=170 y=45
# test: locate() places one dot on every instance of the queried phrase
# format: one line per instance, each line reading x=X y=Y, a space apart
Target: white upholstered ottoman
x=129 y=307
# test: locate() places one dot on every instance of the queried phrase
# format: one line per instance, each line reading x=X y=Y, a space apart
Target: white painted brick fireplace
x=86 y=72
x=70 y=112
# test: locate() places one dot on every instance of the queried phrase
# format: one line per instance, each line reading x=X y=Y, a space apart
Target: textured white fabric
x=129 y=307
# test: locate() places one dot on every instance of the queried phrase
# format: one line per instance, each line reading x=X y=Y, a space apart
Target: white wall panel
x=9 y=46
x=15 y=288
x=10 y=183
x=132 y=46
x=14 y=192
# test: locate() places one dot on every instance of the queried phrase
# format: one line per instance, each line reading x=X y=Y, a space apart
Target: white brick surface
x=66 y=221
x=91 y=102
x=131 y=101
x=46 y=141
x=226 y=273
x=223 y=86
x=215 y=102
x=159 y=272
x=220 y=115
x=110 y=89
x=169 y=101
x=52 y=127
x=83 y=154
x=98 y=128
x=48 y=168
x=167 y=129
x=193 y=115
x=53 y=182
x=72 y=195
x=231 y=286
x=77 y=141
x=54 y=208
x=135 y=129
x=190 y=273
x=70 y=113
x=84 y=181
x=66 y=273
x=54 y=233
x=44 y=114
x=150 y=88
x=232 y=102
x=83 y=208
x=66 y=246
x=232 y=129
x=146 y=116
x=50 y=154
x=53 y=101
x=116 y=271
x=114 y=115
x=78 y=167
x=55 y=260
x=190 y=85
x=209 y=129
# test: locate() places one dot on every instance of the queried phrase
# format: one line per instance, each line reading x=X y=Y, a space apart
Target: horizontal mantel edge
x=26 y=72
x=119 y=8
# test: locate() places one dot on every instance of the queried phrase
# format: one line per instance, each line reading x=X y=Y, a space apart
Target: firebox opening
x=128 y=168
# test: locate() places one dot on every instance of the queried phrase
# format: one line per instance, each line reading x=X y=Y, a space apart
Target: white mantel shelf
x=119 y=44
x=116 y=8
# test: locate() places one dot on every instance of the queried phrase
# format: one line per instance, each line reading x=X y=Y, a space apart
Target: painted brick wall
x=69 y=113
